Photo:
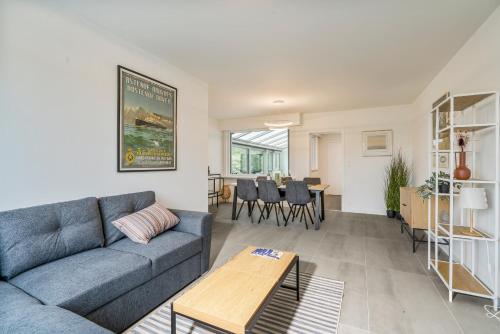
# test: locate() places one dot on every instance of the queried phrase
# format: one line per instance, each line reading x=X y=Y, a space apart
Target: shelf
x=468 y=181
x=476 y=181
x=448 y=151
x=445 y=106
x=448 y=194
x=441 y=234
x=461 y=232
x=463 y=102
x=478 y=115
x=445 y=97
x=469 y=127
x=463 y=280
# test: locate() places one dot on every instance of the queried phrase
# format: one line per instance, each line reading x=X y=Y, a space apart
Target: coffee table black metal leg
x=235 y=200
x=297 y=279
x=172 y=319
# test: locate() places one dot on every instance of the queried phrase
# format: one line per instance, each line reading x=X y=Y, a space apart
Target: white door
x=335 y=174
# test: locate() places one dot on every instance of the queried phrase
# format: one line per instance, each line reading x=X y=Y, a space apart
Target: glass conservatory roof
x=274 y=139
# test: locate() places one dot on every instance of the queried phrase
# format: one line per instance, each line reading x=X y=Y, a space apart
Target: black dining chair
x=247 y=192
x=297 y=194
x=270 y=195
x=261 y=178
x=312 y=181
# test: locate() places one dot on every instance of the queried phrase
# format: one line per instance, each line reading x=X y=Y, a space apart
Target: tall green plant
x=397 y=174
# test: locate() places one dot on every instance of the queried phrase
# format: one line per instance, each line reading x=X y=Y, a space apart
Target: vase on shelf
x=461 y=172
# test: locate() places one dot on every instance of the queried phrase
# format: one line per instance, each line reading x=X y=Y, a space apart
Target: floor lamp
x=473 y=199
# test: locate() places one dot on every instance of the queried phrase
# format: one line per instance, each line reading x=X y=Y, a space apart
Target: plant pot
x=391 y=213
x=461 y=172
x=397 y=215
x=444 y=188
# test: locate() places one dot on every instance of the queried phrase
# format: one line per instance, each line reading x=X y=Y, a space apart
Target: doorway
x=331 y=167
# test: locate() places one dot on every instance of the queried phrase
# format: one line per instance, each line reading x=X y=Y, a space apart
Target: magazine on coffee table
x=268 y=253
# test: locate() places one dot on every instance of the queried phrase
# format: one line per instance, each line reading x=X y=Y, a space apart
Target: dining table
x=318 y=190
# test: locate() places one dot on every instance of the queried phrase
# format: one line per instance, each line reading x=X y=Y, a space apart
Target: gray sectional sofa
x=66 y=269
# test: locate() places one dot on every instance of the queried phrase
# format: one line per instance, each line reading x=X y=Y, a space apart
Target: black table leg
x=322 y=195
x=172 y=319
x=235 y=200
x=297 y=279
x=317 y=220
x=413 y=239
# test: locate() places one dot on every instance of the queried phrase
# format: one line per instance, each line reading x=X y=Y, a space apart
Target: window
x=256 y=161
x=259 y=152
x=239 y=160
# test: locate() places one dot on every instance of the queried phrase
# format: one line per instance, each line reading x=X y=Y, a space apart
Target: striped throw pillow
x=147 y=223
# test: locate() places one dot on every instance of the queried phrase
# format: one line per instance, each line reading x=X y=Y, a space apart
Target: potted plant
x=397 y=175
x=429 y=187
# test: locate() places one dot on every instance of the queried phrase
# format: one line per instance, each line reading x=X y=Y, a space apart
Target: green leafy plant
x=429 y=187
x=397 y=174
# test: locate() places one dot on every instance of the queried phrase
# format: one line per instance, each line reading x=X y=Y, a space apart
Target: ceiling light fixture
x=278 y=124
x=278 y=101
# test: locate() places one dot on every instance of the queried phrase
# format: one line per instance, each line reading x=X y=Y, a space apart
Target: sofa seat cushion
x=33 y=236
x=85 y=281
x=165 y=251
x=42 y=319
x=13 y=299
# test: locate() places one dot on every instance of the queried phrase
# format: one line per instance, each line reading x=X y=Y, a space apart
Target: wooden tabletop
x=319 y=187
x=316 y=187
x=229 y=297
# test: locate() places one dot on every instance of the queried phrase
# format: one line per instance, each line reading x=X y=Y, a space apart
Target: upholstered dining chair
x=247 y=192
x=261 y=178
x=297 y=194
x=312 y=181
x=270 y=195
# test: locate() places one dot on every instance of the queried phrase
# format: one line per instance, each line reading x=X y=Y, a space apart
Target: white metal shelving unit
x=460 y=275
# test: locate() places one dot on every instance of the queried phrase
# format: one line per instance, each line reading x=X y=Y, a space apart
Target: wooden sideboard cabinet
x=414 y=212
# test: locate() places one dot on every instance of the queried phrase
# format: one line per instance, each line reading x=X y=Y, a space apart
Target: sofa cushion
x=147 y=223
x=165 y=251
x=13 y=299
x=33 y=236
x=85 y=281
x=41 y=319
x=116 y=207
x=21 y=313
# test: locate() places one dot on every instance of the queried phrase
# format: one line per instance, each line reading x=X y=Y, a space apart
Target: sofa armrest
x=197 y=223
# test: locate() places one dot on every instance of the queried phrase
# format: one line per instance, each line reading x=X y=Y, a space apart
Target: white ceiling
x=315 y=55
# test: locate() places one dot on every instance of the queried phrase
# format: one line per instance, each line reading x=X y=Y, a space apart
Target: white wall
x=363 y=176
x=215 y=147
x=474 y=68
x=58 y=92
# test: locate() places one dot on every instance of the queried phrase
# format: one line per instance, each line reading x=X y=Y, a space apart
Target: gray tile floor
x=388 y=289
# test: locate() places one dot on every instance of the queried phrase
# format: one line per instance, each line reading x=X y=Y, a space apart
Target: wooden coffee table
x=231 y=298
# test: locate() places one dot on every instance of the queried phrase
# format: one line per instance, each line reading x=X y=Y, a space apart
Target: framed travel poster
x=147 y=123
x=377 y=143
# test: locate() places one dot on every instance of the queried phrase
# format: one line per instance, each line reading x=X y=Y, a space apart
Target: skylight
x=273 y=139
